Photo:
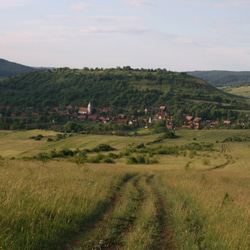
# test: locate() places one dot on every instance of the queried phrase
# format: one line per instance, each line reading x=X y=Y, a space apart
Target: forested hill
x=119 y=87
x=10 y=68
x=221 y=78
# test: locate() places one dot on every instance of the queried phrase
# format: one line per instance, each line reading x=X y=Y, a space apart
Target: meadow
x=69 y=191
x=241 y=91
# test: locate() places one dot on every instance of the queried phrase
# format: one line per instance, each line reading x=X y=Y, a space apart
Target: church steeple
x=90 y=109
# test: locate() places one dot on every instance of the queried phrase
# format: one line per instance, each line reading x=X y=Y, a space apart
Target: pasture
x=241 y=91
x=189 y=192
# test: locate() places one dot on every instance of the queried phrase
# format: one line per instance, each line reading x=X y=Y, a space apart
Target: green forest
x=120 y=87
x=221 y=78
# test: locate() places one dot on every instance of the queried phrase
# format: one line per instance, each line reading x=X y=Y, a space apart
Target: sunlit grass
x=45 y=205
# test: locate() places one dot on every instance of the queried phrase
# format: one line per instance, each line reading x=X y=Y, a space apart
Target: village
x=105 y=115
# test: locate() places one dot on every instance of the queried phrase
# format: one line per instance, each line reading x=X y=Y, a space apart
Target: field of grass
x=241 y=91
x=191 y=192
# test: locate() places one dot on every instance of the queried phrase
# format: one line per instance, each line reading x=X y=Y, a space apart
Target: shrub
x=103 y=147
x=205 y=162
x=192 y=154
x=131 y=160
x=37 y=138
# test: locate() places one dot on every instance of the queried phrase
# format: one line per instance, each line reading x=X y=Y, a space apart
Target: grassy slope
x=240 y=91
x=164 y=201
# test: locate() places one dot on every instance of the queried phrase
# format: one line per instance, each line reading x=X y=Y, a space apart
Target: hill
x=221 y=78
x=10 y=68
x=121 y=87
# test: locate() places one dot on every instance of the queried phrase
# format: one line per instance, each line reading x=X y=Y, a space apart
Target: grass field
x=192 y=192
x=241 y=91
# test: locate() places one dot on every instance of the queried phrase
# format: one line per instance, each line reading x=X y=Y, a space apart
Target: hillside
x=120 y=87
x=221 y=78
x=10 y=68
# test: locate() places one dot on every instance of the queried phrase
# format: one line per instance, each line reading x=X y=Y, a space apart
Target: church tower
x=90 y=109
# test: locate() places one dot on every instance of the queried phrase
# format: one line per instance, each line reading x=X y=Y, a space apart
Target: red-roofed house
x=83 y=110
x=122 y=121
x=227 y=122
x=189 y=118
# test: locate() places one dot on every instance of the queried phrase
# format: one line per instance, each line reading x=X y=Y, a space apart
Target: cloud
x=6 y=4
x=183 y=40
x=114 y=30
x=222 y=4
x=79 y=6
x=140 y=3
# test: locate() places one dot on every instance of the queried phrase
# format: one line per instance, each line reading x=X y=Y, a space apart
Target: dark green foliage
x=109 y=87
x=141 y=159
x=37 y=138
x=168 y=135
x=221 y=78
x=9 y=68
x=103 y=147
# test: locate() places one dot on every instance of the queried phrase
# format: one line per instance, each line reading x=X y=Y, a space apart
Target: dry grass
x=45 y=205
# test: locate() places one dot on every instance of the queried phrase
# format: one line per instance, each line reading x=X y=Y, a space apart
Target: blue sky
x=178 y=35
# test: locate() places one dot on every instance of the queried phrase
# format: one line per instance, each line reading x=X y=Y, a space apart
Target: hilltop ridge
x=220 y=78
x=121 y=87
x=8 y=68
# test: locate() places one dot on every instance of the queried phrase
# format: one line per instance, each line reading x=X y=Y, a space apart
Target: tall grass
x=209 y=210
x=43 y=205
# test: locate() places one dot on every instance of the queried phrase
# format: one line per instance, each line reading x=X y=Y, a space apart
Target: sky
x=178 y=35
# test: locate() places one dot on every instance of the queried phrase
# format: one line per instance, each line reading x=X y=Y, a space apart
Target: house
x=198 y=127
x=213 y=123
x=83 y=111
x=92 y=117
x=187 y=126
x=163 y=108
x=122 y=121
x=169 y=126
x=70 y=107
x=197 y=119
x=64 y=113
x=105 y=110
x=122 y=116
x=188 y=117
x=81 y=117
x=227 y=122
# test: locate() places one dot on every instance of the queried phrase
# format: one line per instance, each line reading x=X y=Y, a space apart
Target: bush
x=192 y=154
x=131 y=160
x=206 y=162
x=37 y=138
x=103 y=148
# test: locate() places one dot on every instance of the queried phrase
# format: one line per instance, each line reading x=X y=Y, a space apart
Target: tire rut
x=89 y=229
x=165 y=237
x=111 y=229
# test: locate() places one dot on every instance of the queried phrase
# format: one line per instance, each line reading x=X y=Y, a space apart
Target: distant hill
x=220 y=78
x=10 y=68
x=116 y=87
